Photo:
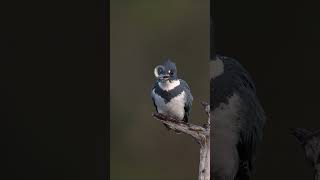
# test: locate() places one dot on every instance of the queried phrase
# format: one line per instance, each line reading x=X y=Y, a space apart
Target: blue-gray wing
x=152 y=96
x=189 y=97
x=252 y=121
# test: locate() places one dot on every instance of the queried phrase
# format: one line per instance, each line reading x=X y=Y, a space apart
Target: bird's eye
x=171 y=72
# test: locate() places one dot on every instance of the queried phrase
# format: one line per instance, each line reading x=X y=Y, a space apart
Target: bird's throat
x=169 y=85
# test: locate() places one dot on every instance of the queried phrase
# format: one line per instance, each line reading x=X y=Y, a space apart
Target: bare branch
x=206 y=107
x=200 y=133
x=195 y=131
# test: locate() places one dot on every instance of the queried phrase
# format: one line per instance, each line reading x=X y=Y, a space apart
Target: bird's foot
x=206 y=125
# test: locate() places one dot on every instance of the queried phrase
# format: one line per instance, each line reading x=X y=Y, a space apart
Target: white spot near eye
x=158 y=70
x=216 y=68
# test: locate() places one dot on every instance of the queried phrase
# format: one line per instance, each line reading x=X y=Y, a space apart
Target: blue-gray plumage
x=238 y=120
x=171 y=95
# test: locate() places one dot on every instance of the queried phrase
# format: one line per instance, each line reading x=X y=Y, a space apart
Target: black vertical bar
x=212 y=57
x=212 y=48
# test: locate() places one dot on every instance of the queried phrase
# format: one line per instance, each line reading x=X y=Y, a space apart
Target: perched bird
x=310 y=142
x=170 y=95
x=237 y=120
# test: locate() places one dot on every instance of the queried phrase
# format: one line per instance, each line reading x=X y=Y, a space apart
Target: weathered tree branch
x=200 y=133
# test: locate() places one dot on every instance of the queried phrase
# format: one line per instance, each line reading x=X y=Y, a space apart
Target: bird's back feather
x=235 y=80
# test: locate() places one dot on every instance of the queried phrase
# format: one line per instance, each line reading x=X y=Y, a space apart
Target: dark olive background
x=143 y=34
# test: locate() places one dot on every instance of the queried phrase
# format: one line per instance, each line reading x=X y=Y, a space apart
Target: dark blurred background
x=143 y=34
x=278 y=43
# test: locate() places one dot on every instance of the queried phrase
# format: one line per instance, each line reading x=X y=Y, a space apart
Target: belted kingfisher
x=238 y=120
x=171 y=96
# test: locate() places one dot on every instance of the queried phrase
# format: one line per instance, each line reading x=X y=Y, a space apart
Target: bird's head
x=166 y=72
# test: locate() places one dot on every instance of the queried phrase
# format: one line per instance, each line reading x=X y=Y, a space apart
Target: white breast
x=167 y=86
x=225 y=118
x=174 y=108
x=225 y=134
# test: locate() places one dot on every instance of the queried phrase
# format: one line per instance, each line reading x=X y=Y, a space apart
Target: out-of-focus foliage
x=143 y=33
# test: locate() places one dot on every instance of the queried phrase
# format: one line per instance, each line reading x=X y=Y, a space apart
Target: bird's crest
x=169 y=64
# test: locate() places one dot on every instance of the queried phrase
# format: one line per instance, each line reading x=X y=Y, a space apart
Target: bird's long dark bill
x=165 y=77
